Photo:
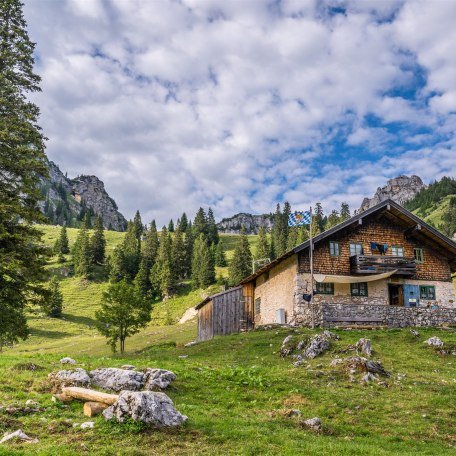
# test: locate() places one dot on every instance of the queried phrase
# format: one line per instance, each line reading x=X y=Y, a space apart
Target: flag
x=299 y=218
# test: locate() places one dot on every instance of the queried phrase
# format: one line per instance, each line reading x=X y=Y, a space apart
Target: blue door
x=411 y=295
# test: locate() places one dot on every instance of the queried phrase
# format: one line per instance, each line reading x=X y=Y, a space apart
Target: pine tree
x=292 y=240
x=131 y=247
x=138 y=226
x=171 y=226
x=333 y=219
x=212 y=231
x=344 y=212
x=203 y=271
x=241 y=264
x=178 y=254
x=142 y=280
x=200 y=223
x=162 y=274
x=188 y=248
x=53 y=304
x=263 y=249
x=183 y=222
x=116 y=263
x=98 y=242
x=318 y=223
x=277 y=233
x=285 y=228
x=22 y=162
x=123 y=313
x=449 y=218
x=82 y=254
x=219 y=255
x=63 y=241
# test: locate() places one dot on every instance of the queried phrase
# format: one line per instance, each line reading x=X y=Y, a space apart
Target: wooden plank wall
x=206 y=322
x=248 y=291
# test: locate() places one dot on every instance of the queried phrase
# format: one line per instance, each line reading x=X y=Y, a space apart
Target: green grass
x=236 y=390
x=434 y=215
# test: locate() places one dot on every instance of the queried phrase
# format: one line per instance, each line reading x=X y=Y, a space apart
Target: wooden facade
x=227 y=312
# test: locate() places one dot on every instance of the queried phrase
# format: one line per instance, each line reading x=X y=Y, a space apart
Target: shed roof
x=209 y=298
x=395 y=213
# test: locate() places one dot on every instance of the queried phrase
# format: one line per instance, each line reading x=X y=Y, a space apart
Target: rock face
x=156 y=409
x=66 y=199
x=251 y=223
x=399 y=189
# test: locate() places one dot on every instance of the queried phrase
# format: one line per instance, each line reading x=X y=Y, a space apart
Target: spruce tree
x=292 y=240
x=53 y=304
x=277 y=232
x=138 y=226
x=241 y=264
x=63 y=241
x=171 y=226
x=333 y=219
x=131 y=247
x=98 y=242
x=22 y=162
x=344 y=212
x=82 y=254
x=263 y=249
x=212 y=231
x=285 y=228
x=219 y=256
x=318 y=222
x=149 y=252
x=162 y=274
x=200 y=223
x=203 y=271
x=178 y=254
x=183 y=222
x=188 y=249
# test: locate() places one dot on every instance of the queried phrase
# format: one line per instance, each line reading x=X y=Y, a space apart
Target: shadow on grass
x=80 y=320
x=49 y=334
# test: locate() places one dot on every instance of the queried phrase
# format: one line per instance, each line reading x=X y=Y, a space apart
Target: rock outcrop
x=399 y=189
x=250 y=223
x=66 y=200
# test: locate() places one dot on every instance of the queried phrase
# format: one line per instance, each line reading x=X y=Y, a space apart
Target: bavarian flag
x=299 y=218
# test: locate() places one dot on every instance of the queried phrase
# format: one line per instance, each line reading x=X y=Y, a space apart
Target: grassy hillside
x=433 y=214
x=238 y=394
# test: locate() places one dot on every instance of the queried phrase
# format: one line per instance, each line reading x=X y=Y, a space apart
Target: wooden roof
x=394 y=212
x=209 y=298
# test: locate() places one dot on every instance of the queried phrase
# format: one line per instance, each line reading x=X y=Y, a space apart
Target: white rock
x=313 y=423
x=31 y=403
x=113 y=379
x=364 y=346
x=434 y=341
x=77 y=377
x=67 y=360
x=20 y=435
x=158 y=378
x=87 y=425
x=190 y=344
x=156 y=409
x=317 y=345
x=369 y=378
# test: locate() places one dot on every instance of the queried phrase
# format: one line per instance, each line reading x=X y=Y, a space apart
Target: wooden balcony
x=378 y=264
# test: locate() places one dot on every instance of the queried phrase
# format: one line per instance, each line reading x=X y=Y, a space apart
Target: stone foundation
x=395 y=317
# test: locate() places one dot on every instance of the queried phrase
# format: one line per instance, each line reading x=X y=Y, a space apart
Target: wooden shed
x=224 y=313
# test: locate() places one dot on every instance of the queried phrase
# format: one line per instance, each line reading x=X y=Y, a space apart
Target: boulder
x=364 y=346
x=314 y=424
x=18 y=435
x=434 y=341
x=67 y=360
x=155 y=409
x=288 y=345
x=87 y=425
x=369 y=378
x=77 y=377
x=128 y=367
x=113 y=379
x=330 y=335
x=158 y=378
x=317 y=345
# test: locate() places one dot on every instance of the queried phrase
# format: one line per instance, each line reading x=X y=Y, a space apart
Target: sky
x=240 y=104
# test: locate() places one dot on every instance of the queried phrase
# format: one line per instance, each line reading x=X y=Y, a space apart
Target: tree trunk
x=94 y=408
x=89 y=395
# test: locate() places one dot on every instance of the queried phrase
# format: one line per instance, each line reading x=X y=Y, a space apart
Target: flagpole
x=311 y=271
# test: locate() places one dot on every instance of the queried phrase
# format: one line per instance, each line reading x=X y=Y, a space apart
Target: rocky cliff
x=400 y=189
x=251 y=223
x=67 y=201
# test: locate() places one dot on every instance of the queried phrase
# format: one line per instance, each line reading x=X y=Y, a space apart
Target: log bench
x=356 y=321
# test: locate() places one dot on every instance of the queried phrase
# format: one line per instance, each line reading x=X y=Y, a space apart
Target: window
x=356 y=249
x=358 y=289
x=397 y=250
x=257 y=306
x=334 y=249
x=325 y=288
x=427 y=292
x=419 y=255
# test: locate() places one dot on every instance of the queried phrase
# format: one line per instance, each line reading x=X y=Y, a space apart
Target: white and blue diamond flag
x=299 y=218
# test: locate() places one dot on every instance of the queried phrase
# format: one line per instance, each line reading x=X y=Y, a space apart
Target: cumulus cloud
x=239 y=105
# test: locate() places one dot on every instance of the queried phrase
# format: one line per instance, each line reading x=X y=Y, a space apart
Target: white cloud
x=241 y=104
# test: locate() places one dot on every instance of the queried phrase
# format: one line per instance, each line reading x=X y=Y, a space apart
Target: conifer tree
x=82 y=254
x=318 y=223
x=123 y=313
x=219 y=255
x=162 y=275
x=64 y=243
x=183 y=223
x=188 y=249
x=117 y=264
x=263 y=249
x=22 y=162
x=292 y=240
x=131 y=247
x=277 y=232
x=150 y=245
x=138 y=226
x=98 y=242
x=203 y=272
x=344 y=212
x=285 y=228
x=178 y=254
x=212 y=231
x=142 y=280
x=241 y=264
x=171 y=226
x=53 y=304
x=200 y=223
x=333 y=219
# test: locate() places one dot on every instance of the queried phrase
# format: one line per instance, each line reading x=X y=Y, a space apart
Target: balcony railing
x=378 y=264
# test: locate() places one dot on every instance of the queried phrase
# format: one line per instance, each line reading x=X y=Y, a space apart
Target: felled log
x=85 y=394
x=94 y=408
x=61 y=398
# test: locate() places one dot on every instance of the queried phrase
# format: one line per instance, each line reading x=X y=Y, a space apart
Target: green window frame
x=427 y=292
x=324 y=288
x=418 y=254
x=397 y=250
x=356 y=248
x=359 y=289
x=334 y=249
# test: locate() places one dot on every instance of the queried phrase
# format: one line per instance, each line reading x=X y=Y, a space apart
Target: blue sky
x=239 y=105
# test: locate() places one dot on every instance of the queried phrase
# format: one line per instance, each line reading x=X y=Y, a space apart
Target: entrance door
x=411 y=295
x=396 y=294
